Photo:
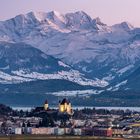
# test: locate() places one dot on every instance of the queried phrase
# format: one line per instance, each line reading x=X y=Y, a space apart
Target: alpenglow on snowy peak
x=98 y=51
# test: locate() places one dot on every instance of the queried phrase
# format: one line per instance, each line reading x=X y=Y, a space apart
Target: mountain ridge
x=102 y=52
x=20 y=62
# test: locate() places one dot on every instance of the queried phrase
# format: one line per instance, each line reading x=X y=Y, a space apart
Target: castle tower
x=69 y=108
x=46 y=105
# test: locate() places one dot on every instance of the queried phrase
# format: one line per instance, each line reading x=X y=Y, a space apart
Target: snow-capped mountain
x=102 y=52
x=20 y=62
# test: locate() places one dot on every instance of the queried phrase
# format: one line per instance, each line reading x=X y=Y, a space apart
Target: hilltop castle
x=65 y=107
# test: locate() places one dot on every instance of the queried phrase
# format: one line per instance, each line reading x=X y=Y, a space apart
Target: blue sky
x=110 y=11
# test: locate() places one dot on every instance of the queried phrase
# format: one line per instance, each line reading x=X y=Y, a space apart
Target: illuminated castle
x=65 y=107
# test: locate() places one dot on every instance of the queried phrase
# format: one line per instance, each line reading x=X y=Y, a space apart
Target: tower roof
x=65 y=101
x=46 y=101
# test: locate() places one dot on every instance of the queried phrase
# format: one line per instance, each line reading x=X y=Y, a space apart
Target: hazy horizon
x=110 y=12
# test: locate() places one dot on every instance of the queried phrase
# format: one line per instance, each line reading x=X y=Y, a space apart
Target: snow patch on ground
x=72 y=75
x=5 y=68
x=125 y=69
x=76 y=93
x=122 y=83
x=116 y=87
x=8 y=79
x=62 y=64
x=108 y=78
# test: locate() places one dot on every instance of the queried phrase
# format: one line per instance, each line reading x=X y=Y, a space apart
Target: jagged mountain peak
x=55 y=13
x=124 y=26
x=79 y=20
x=100 y=25
x=79 y=15
x=70 y=21
x=56 y=17
x=40 y=16
x=127 y=25
x=98 y=21
x=49 y=18
x=82 y=13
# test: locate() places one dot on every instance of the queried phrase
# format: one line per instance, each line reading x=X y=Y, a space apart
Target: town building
x=102 y=131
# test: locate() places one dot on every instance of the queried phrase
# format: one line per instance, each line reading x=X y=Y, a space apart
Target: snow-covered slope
x=129 y=83
x=20 y=62
x=108 y=53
